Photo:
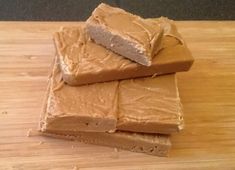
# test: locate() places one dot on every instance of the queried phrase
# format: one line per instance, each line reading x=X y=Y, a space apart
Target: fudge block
x=152 y=144
x=150 y=105
x=84 y=62
x=84 y=108
x=124 y=33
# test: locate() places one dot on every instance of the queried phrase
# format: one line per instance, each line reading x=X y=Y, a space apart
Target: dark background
x=74 y=10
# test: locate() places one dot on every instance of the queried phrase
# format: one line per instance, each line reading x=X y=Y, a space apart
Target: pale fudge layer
x=153 y=144
x=124 y=33
x=84 y=62
x=150 y=105
x=84 y=108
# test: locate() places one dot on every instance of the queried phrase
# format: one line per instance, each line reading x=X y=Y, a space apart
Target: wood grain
x=207 y=92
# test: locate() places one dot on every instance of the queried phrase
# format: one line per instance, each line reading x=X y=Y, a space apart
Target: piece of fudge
x=124 y=33
x=84 y=108
x=149 y=105
x=153 y=144
x=83 y=61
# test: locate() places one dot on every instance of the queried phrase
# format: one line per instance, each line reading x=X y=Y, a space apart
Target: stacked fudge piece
x=105 y=86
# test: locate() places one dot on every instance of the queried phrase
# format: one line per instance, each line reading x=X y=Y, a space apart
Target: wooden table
x=207 y=93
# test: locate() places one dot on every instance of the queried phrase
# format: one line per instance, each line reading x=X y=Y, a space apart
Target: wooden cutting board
x=207 y=93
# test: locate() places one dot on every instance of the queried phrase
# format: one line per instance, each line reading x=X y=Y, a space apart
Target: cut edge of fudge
x=124 y=47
